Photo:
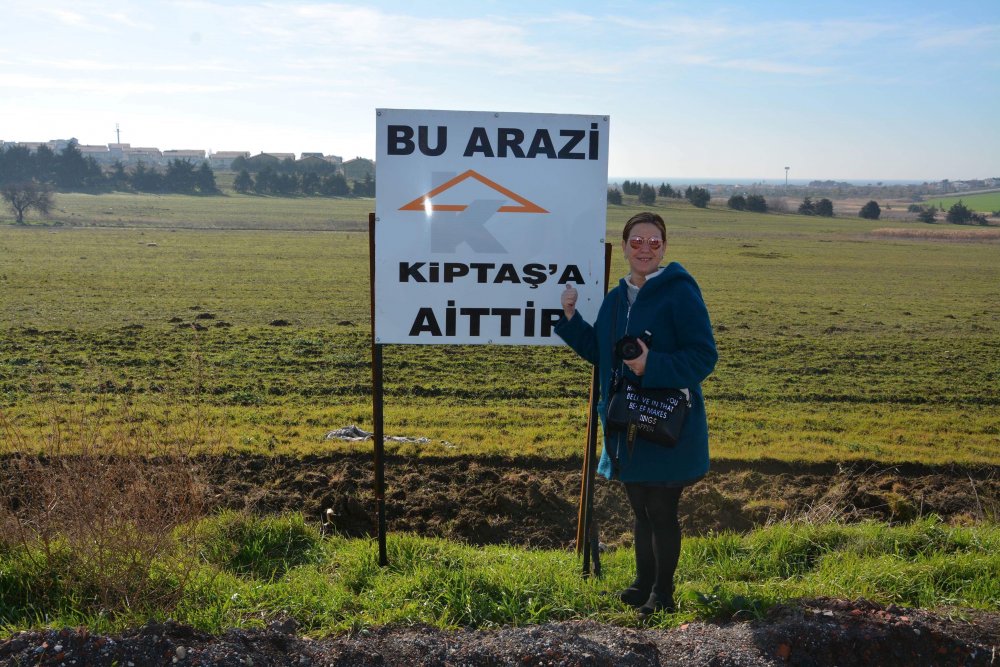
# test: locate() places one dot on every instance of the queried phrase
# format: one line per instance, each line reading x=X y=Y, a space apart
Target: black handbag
x=656 y=415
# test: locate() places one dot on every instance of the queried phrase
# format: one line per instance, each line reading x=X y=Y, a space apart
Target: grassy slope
x=252 y=570
x=986 y=202
x=834 y=344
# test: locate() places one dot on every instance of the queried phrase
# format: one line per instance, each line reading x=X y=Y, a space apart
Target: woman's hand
x=638 y=365
x=568 y=300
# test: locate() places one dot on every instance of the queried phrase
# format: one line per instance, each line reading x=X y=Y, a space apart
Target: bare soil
x=810 y=632
x=533 y=502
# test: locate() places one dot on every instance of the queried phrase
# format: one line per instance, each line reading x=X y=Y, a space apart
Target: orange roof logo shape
x=420 y=203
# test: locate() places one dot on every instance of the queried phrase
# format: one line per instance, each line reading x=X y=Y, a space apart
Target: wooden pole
x=377 y=403
x=586 y=531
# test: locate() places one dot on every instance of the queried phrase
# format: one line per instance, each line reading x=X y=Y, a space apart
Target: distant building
x=131 y=156
x=100 y=153
x=316 y=163
x=223 y=160
x=358 y=168
x=190 y=156
x=151 y=157
x=262 y=160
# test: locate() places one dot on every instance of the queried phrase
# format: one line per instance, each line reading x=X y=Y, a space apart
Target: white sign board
x=482 y=219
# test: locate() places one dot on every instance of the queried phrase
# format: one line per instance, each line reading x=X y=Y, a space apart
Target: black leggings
x=657 y=535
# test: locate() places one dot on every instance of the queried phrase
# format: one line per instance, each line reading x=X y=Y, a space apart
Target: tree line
x=28 y=178
x=70 y=171
x=270 y=181
x=647 y=194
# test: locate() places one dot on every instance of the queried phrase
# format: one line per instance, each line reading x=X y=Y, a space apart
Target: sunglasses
x=653 y=242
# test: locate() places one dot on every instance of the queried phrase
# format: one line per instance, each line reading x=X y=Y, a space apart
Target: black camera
x=628 y=347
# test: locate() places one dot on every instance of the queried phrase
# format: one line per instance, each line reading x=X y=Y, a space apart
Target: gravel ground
x=814 y=632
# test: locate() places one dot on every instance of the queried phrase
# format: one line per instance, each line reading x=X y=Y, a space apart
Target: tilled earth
x=533 y=502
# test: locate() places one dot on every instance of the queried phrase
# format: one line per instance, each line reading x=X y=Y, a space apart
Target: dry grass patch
x=937 y=234
x=92 y=513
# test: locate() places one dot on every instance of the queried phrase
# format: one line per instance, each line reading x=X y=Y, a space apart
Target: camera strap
x=617 y=378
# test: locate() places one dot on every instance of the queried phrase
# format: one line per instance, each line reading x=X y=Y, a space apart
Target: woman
x=666 y=302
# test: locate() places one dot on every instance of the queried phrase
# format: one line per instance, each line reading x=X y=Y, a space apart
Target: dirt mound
x=816 y=632
x=533 y=501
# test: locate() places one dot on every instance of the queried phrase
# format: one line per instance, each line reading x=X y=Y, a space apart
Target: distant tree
x=335 y=185
x=46 y=162
x=118 y=177
x=824 y=207
x=737 y=203
x=16 y=164
x=647 y=195
x=756 y=203
x=243 y=183
x=914 y=208
x=145 y=179
x=665 y=190
x=365 y=188
x=698 y=197
x=240 y=163
x=27 y=195
x=928 y=215
x=310 y=183
x=615 y=196
x=266 y=181
x=205 y=180
x=870 y=211
x=807 y=207
x=180 y=177
x=959 y=214
x=287 y=184
x=73 y=171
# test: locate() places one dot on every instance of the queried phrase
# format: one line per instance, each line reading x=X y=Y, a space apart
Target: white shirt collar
x=628 y=279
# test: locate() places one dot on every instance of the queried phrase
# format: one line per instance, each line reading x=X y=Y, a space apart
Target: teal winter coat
x=682 y=354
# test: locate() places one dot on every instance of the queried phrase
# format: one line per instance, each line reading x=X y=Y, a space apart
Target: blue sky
x=842 y=90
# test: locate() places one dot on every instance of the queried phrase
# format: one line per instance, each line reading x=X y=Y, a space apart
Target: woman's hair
x=644 y=217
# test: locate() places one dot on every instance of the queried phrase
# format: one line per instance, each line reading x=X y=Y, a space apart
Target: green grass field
x=984 y=203
x=835 y=344
x=250 y=571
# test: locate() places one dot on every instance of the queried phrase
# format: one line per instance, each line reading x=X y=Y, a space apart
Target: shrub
x=647 y=195
x=698 y=197
x=870 y=211
x=98 y=510
x=737 y=203
x=824 y=207
x=959 y=214
x=756 y=203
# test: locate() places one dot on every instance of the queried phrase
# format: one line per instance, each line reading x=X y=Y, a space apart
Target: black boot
x=657 y=602
x=635 y=595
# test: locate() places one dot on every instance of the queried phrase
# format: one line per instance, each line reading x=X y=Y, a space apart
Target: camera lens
x=628 y=348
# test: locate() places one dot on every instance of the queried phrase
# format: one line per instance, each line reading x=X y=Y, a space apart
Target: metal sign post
x=586 y=531
x=377 y=404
